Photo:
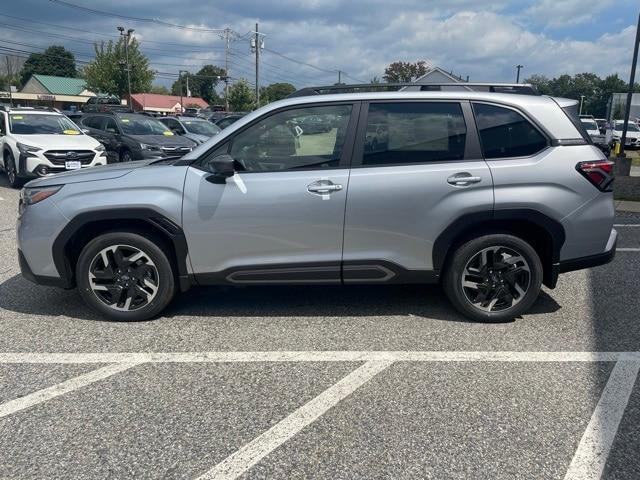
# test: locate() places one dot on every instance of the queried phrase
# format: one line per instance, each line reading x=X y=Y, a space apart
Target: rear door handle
x=323 y=187
x=463 y=179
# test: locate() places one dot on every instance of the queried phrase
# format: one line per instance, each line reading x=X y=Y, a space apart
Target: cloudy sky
x=478 y=38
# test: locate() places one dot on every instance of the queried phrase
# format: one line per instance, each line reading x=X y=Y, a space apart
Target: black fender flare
x=154 y=219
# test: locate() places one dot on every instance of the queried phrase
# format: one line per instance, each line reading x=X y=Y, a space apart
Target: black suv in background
x=131 y=136
x=104 y=103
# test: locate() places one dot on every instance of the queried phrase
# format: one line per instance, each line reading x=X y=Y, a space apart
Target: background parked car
x=104 y=103
x=131 y=136
x=227 y=120
x=40 y=142
x=197 y=129
x=633 y=133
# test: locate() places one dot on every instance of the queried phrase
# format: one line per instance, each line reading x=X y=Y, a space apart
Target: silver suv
x=489 y=193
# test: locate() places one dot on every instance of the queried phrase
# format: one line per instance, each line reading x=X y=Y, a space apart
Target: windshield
x=41 y=124
x=141 y=125
x=201 y=127
x=631 y=128
x=590 y=124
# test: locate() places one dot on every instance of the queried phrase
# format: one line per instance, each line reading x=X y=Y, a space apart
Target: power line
x=137 y=19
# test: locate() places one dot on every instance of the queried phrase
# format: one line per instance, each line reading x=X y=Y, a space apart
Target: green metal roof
x=61 y=85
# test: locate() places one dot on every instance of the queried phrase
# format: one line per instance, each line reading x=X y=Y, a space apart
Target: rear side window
x=408 y=132
x=574 y=115
x=505 y=133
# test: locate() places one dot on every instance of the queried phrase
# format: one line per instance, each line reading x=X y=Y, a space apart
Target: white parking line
x=591 y=456
x=627 y=249
x=317 y=356
x=246 y=457
x=45 y=394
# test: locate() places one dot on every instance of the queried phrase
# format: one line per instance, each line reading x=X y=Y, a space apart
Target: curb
x=627 y=206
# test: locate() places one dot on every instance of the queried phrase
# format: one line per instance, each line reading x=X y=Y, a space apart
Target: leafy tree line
x=106 y=73
x=597 y=91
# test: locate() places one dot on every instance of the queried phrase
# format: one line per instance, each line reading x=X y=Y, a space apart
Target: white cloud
x=560 y=13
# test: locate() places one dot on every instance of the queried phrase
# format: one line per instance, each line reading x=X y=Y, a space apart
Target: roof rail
x=36 y=108
x=517 y=88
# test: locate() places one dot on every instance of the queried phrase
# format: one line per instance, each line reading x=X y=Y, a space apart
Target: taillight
x=599 y=173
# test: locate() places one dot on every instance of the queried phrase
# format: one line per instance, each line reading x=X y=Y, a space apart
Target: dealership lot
x=322 y=382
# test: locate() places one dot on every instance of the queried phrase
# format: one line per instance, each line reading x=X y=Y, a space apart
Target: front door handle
x=323 y=187
x=463 y=179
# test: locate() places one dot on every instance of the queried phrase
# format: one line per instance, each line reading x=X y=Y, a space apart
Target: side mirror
x=221 y=168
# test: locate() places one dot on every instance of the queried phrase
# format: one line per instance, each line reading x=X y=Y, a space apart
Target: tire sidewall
x=455 y=268
x=124 y=153
x=10 y=161
x=166 y=276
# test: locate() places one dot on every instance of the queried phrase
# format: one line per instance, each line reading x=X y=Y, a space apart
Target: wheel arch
x=86 y=226
x=543 y=233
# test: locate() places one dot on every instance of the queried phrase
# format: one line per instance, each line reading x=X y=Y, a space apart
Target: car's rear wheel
x=493 y=278
x=12 y=172
x=125 y=276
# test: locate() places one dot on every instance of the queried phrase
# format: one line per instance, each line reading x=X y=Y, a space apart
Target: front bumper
x=30 y=165
x=28 y=274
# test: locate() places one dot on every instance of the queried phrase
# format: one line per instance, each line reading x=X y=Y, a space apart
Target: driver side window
x=301 y=138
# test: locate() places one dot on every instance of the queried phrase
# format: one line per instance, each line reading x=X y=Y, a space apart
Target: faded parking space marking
x=70 y=385
x=246 y=457
x=627 y=249
x=592 y=453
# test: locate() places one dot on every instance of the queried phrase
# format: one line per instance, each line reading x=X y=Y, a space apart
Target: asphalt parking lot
x=319 y=382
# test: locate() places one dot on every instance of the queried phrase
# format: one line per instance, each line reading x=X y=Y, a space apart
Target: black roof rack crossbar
x=518 y=88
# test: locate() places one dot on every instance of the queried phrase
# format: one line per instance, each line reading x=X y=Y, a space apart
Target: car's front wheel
x=493 y=278
x=11 y=170
x=125 y=276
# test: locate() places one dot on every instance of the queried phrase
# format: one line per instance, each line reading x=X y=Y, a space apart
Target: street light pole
x=126 y=37
x=632 y=80
x=518 y=74
x=581 y=101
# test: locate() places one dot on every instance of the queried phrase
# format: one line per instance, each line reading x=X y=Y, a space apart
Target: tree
x=55 y=60
x=596 y=91
x=241 y=97
x=159 y=89
x=402 y=72
x=107 y=72
x=201 y=84
x=275 y=91
x=375 y=81
x=10 y=66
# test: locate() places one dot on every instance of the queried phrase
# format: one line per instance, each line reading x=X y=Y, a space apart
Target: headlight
x=145 y=146
x=27 y=149
x=31 y=196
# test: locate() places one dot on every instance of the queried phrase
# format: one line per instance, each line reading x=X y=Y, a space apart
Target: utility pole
x=629 y=95
x=126 y=37
x=180 y=72
x=581 y=102
x=257 y=44
x=518 y=74
x=339 y=77
x=227 y=33
x=10 y=75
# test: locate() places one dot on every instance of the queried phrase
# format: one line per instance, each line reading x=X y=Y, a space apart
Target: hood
x=59 y=142
x=172 y=140
x=101 y=172
x=196 y=137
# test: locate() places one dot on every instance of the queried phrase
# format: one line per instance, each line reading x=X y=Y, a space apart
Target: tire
x=502 y=277
x=125 y=155
x=147 y=281
x=12 y=172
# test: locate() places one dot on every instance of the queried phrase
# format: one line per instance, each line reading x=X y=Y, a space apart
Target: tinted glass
x=92 y=122
x=110 y=125
x=142 y=125
x=506 y=133
x=201 y=127
x=401 y=133
x=301 y=138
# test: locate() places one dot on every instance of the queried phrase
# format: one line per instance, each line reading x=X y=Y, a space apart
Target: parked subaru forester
x=491 y=190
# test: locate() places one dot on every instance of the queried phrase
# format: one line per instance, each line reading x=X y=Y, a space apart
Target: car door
x=417 y=168
x=280 y=218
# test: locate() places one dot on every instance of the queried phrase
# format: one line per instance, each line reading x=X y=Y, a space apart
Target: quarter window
x=506 y=133
x=303 y=138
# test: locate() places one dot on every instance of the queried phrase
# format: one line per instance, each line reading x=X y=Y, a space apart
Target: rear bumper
x=581 y=263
